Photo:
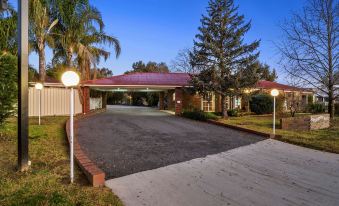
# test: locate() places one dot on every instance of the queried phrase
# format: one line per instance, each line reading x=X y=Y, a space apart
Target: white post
x=273 y=115
x=39 y=106
x=72 y=134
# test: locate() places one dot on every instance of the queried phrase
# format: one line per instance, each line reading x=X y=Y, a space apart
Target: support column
x=178 y=100
x=86 y=100
x=104 y=100
x=161 y=101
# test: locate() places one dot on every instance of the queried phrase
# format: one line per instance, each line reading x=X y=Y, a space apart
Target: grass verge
x=47 y=181
x=325 y=139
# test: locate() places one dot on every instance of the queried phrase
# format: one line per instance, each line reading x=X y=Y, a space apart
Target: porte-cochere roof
x=143 y=79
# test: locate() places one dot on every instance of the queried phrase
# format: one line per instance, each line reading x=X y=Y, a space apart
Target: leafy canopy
x=8 y=85
x=149 y=67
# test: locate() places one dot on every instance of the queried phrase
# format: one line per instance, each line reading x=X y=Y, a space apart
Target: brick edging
x=263 y=134
x=93 y=173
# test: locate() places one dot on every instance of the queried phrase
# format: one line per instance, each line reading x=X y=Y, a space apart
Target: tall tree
x=310 y=49
x=8 y=31
x=102 y=73
x=40 y=27
x=265 y=72
x=182 y=62
x=149 y=67
x=220 y=54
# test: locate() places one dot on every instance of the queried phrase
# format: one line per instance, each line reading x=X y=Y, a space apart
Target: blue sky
x=155 y=30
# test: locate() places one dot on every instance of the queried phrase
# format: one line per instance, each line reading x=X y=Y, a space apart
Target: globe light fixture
x=39 y=87
x=274 y=93
x=71 y=79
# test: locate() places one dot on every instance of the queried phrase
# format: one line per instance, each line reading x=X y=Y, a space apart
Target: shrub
x=199 y=115
x=316 y=108
x=233 y=112
x=8 y=85
x=261 y=104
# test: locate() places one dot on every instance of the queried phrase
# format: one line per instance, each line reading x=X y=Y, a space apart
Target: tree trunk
x=42 y=64
x=331 y=103
x=224 y=106
x=95 y=73
x=69 y=57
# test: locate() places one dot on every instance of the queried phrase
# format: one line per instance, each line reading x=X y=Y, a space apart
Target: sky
x=156 y=30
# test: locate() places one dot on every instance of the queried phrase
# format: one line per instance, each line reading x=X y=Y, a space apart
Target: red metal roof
x=263 y=84
x=169 y=79
x=156 y=79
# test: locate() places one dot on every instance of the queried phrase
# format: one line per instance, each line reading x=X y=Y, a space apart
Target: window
x=208 y=103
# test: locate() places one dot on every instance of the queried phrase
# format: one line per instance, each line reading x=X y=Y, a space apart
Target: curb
x=263 y=134
x=93 y=173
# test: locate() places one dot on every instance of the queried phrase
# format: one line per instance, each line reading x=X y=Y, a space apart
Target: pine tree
x=225 y=62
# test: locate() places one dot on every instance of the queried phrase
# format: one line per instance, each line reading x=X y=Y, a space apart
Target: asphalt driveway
x=127 y=140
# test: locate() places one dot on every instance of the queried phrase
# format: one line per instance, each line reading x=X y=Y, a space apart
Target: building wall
x=55 y=101
x=191 y=102
x=195 y=102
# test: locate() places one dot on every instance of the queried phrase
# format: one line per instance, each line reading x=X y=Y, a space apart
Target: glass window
x=208 y=103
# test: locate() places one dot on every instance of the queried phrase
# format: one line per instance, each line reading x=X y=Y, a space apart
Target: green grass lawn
x=325 y=139
x=47 y=182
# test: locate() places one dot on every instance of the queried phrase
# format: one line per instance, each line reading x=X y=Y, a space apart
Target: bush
x=8 y=85
x=261 y=104
x=316 y=108
x=233 y=112
x=199 y=115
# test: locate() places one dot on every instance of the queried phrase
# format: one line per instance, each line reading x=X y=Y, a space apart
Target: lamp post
x=39 y=87
x=23 y=163
x=274 y=93
x=247 y=94
x=71 y=79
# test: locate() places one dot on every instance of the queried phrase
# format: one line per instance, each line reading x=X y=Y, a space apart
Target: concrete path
x=269 y=173
x=127 y=140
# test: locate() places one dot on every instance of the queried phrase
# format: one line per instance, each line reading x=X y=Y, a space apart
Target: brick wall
x=170 y=101
x=191 y=102
x=86 y=100
x=178 y=100
x=306 y=123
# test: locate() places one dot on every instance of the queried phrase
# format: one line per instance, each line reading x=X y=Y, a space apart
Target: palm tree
x=40 y=27
x=81 y=33
x=89 y=54
x=8 y=25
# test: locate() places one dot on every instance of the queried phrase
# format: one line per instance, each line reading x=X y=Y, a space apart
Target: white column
x=273 y=115
x=71 y=134
x=39 y=106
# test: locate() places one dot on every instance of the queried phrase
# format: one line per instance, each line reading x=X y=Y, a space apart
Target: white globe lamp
x=71 y=79
x=274 y=93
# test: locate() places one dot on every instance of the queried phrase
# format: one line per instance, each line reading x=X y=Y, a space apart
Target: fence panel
x=54 y=102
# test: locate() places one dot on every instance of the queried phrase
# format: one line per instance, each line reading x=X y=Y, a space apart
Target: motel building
x=173 y=89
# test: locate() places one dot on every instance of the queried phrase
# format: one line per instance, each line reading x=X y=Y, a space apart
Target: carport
x=172 y=83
